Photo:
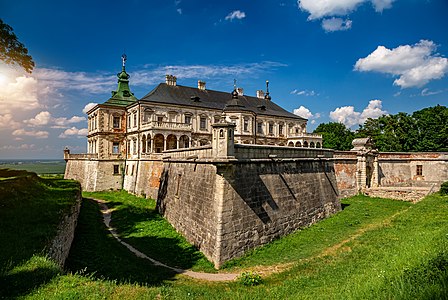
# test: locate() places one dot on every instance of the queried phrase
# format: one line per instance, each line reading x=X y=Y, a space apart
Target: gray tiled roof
x=182 y=95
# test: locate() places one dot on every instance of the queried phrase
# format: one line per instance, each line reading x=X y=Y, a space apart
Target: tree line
x=423 y=130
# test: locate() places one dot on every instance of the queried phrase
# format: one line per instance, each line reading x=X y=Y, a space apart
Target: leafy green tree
x=424 y=130
x=12 y=51
x=432 y=129
x=335 y=136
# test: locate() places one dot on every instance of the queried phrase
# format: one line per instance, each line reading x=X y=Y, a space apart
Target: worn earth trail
x=264 y=270
x=107 y=215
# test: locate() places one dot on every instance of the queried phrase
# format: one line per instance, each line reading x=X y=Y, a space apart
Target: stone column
x=376 y=173
x=152 y=144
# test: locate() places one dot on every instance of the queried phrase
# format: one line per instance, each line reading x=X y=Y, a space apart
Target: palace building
x=173 y=117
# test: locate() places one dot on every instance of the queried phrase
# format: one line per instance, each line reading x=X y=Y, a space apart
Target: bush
x=444 y=189
x=250 y=278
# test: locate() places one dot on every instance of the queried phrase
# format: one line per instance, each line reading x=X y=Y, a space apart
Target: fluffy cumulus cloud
x=40 y=134
x=70 y=132
x=7 y=122
x=323 y=9
x=304 y=112
x=336 y=24
x=45 y=118
x=414 y=65
x=88 y=107
x=349 y=117
x=236 y=14
x=18 y=93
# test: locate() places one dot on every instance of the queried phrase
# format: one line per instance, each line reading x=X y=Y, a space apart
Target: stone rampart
x=60 y=245
x=228 y=206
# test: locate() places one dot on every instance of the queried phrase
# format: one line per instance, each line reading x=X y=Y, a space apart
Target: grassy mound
x=30 y=211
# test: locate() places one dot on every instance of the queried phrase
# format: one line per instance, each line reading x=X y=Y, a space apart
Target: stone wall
x=60 y=245
x=94 y=174
x=228 y=207
x=400 y=169
x=345 y=168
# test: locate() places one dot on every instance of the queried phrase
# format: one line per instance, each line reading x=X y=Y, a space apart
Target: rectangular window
x=134 y=144
x=203 y=123
x=115 y=148
x=127 y=169
x=132 y=170
x=271 y=128
x=135 y=120
x=129 y=121
x=280 y=129
x=260 y=127
x=246 y=125
x=187 y=119
x=116 y=169
x=160 y=119
x=116 y=122
x=419 y=170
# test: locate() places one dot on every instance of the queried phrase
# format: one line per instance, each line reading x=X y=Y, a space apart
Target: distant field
x=38 y=166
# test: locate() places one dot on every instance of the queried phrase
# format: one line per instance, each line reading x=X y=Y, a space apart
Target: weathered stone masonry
x=227 y=205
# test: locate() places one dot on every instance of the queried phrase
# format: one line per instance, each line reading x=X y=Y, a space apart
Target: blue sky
x=326 y=60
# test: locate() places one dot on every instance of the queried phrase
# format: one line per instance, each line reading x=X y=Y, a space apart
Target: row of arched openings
x=305 y=144
x=160 y=143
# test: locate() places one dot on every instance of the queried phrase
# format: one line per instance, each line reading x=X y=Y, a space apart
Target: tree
x=335 y=136
x=12 y=51
x=424 y=130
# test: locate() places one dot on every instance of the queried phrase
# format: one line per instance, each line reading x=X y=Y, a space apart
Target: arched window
x=171 y=142
x=290 y=144
x=312 y=145
x=144 y=144
x=298 y=144
x=305 y=144
x=159 y=141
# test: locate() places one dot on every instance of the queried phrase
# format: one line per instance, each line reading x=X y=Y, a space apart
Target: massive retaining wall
x=228 y=206
x=60 y=245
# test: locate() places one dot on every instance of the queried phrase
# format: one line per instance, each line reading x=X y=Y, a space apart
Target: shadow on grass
x=344 y=205
x=96 y=252
x=22 y=282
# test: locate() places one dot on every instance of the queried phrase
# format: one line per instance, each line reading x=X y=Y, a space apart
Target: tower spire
x=267 y=96
x=124 y=58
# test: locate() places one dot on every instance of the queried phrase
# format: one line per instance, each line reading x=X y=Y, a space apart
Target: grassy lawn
x=373 y=249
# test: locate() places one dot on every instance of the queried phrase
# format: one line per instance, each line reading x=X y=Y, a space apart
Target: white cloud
x=381 y=5
x=303 y=112
x=88 y=107
x=426 y=92
x=236 y=14
x=319 y=9
x=179 y=11
x=349 y=117
x=18 y=93
x=74 y=132
x=40 y=134
x=20 y=147
x=336 y=24
x=415 y=65
x=322 y=9
x=154 y=75
x=303 y=93
x=7 y=122
x=45 y=118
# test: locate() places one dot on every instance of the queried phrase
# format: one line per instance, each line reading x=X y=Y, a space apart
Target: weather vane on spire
x=124 y=58
x=234 y=84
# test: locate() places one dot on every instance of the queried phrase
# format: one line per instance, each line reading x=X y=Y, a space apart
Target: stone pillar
x=223 y=140
x=177 y=142
x=164 y=143
x=376 y=172
x=152 y=144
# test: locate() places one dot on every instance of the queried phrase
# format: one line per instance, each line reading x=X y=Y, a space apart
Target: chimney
x=170 y=80
x=240 y=91
x=201 y=85
x=260 y=94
